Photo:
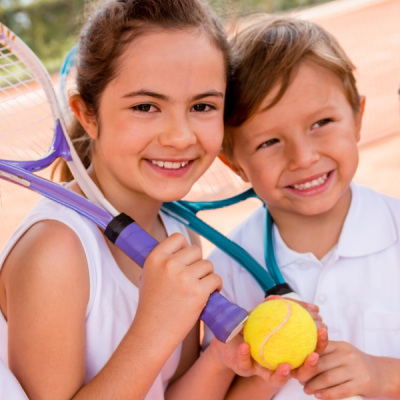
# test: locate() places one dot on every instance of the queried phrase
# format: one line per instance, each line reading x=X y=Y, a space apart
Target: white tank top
x=113 y=297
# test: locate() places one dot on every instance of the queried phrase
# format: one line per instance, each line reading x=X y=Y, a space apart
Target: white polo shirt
x=9 y=386
x=356 y=286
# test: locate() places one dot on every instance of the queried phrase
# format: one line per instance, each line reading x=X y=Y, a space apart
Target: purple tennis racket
x=33 y=135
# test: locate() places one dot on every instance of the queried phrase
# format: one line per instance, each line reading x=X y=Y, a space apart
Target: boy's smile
x=301 y=154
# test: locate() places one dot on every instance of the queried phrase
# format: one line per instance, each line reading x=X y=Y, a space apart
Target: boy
x=293 y=121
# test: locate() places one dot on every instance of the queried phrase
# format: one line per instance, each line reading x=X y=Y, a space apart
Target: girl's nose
x=178 y=134
x=302 y=154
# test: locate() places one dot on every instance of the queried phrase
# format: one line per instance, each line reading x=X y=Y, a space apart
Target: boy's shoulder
x=370 y=204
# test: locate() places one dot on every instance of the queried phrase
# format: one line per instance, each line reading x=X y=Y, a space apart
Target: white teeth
x=312 y=184
x=170 y=164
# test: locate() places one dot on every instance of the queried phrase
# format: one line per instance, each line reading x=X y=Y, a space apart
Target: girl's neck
x=316 y=234
x=140 y=207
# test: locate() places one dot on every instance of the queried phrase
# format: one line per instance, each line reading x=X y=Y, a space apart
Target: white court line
x=335 y=8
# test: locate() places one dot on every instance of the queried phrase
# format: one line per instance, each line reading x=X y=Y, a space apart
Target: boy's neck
x=316 y=234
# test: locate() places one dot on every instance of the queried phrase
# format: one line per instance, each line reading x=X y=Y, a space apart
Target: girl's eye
x=202 y=107
x=321 y=123
x=145 y=108
x=269 y=143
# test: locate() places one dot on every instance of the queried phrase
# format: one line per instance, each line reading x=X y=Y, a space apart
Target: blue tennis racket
x=219 y=187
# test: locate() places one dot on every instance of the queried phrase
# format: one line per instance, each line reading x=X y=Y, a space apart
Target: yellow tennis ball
x=280 y=331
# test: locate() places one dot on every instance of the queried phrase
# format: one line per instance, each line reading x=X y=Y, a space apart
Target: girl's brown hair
x=111 y=26
x=267 y=51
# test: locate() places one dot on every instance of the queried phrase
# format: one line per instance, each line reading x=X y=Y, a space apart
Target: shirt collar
x=368 y=228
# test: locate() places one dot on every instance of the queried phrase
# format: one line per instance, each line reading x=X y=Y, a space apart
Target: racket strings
x=218 y=183
x=26 y=120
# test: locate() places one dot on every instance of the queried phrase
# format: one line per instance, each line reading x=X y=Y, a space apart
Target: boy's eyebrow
x=160 y=96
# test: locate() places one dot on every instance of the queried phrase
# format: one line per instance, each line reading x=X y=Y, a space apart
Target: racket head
x=30 y=116
x=28 y=108
x=217 y=188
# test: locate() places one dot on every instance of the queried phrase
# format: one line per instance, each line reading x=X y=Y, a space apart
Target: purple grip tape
x=225 y=319
x=136 y=243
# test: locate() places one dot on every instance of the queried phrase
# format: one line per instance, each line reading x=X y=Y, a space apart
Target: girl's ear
x=85 y=117
x=359 y=117
x=234 y=167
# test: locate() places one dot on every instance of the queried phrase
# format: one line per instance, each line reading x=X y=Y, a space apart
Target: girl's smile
x=160 y=119
x=171 y=168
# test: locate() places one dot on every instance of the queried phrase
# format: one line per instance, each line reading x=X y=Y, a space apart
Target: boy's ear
x=359 y=117
x=235 y=168
x=85 y=117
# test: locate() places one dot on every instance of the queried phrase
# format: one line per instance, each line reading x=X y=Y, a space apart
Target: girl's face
x=160 y=121
x=301 y=154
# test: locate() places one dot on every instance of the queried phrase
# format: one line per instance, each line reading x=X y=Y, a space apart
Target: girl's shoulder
x=52 y=246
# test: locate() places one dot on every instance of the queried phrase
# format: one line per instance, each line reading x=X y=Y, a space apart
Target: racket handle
x=225 y=319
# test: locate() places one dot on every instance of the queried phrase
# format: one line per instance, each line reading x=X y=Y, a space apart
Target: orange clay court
x=369 y=31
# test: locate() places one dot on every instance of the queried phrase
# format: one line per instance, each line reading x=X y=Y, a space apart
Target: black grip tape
x=117 y=225
x=280 y=290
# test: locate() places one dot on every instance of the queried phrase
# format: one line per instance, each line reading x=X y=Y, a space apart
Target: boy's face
x=301 y=154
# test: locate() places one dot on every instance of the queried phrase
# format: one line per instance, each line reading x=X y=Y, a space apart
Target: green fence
x=50 y=27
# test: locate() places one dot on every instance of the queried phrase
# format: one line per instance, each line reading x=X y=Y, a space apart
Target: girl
x=149 y=107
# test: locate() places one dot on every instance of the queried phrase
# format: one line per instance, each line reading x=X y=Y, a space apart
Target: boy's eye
x=269 y=143
x=321 y=123
x=145 y=108
x=202 y=107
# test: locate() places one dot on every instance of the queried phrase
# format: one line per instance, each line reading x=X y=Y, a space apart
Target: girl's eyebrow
x=211 y=93
x=146 y=93
x=160 y=96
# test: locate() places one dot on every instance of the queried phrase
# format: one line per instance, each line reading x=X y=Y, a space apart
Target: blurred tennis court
x=369 y=31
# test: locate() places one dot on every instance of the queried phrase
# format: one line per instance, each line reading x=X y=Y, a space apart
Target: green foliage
x=50 y=27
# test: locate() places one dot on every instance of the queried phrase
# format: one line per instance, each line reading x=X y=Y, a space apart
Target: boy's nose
x=301 y=155
x=178 y=133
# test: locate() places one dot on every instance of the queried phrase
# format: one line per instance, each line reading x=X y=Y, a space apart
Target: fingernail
x=312 y=306
x=314 y=363
x=318 y=395
x=307 y=391
x=245 y=351
x=286 y=373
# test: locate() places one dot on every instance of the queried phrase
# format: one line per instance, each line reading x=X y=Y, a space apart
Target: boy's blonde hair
x=267 y=51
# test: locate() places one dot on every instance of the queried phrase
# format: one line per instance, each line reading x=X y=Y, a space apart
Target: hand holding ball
x=280 y=331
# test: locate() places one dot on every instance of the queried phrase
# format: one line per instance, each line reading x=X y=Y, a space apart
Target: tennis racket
x=33 y=135
x=219 y=187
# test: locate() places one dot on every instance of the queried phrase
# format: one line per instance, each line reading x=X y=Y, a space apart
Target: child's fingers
x=244 y=361
x=212 y=283
x=308 y=369
x=342 y=391
x=322 y=341
x=327 y=380
x=276 y=378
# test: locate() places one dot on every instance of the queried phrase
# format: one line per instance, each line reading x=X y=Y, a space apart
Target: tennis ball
x=280 y=331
